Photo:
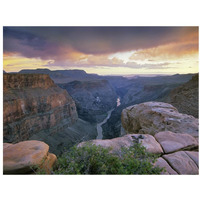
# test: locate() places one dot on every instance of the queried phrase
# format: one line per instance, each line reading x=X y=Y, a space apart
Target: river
x=99 y=128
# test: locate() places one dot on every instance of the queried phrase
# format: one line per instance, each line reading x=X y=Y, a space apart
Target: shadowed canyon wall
x=33 y=103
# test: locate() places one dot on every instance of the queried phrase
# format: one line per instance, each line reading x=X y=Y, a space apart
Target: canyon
x=35 y=108
x=67 y=107
x=162 y=130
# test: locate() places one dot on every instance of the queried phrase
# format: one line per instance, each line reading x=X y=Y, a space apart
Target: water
x=99 y=128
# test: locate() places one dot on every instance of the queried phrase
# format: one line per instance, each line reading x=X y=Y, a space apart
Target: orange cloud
x=169 y=51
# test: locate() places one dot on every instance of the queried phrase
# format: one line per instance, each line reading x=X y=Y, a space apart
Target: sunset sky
x=102 y=50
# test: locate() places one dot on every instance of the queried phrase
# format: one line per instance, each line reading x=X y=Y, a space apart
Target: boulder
x=24 y=157
x=116 y=144
x=182 y=163
x=163 y=164
x=171 y=142
x=154 y=117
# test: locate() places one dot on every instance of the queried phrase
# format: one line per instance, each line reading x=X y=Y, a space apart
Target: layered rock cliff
x=33 y=103
x=185 y=97
x=37 y=109
x=93 y=98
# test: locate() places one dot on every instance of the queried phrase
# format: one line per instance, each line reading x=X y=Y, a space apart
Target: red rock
x=23 y=157
x=33 y=103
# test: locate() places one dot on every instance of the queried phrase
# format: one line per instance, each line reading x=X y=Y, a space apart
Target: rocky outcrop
x=178 y=150
x=174 y=161
x=33 y=103
x=181 y=163
x=93 y=98
x=20 y=81
x=37 y=109
x=176 y=133
x=137 y=90
x=26 y=157
x=172 y=142
x=185 y=97
x=127 y=141
x=154 y=117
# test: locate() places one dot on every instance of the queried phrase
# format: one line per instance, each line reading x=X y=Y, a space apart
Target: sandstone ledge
x=153 y=117
x=27 y=156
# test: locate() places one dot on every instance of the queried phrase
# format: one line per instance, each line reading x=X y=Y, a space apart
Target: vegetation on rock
x=92 y=159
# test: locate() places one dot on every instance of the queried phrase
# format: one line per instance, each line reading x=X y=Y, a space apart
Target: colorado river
x=99 y=128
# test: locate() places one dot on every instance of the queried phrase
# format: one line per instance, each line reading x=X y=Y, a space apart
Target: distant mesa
x=62 y=76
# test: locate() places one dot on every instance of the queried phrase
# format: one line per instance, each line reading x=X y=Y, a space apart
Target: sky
x=102 y=50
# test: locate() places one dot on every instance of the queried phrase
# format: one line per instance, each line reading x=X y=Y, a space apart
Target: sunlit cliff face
x=103 y=50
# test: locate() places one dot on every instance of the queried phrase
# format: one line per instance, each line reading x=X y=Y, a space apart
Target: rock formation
x=116 y=144
x=93 y=98
x=162 y=130
x=26 y=157
x=63 y=76
x=37 y=109
x=138 y=90
x=154 y=117
x=172 y=142
x=33 y=103
x=185 y=97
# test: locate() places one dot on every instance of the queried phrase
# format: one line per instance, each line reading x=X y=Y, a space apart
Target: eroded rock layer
x=185 y=97
x=33 y=103
x=154 y=117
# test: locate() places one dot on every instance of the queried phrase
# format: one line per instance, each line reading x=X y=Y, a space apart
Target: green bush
x=92 y=159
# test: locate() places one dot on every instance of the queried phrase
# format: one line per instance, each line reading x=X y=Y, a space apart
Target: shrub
x=92 y=159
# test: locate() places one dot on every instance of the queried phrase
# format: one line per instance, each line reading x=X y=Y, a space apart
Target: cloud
x=92 y=40
x=168 y=51
x=92 y=46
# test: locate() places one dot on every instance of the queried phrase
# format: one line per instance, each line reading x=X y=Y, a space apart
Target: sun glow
x=14 y=63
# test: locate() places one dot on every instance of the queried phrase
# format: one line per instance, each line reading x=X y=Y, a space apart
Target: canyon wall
x=33 y=103
x=93 y=98
x=185 y=97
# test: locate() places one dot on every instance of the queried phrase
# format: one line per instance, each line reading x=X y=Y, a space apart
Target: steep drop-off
x=33 y=103
x=162 y=130
x=139 y=90
x=35 y=108
x=93 y=98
